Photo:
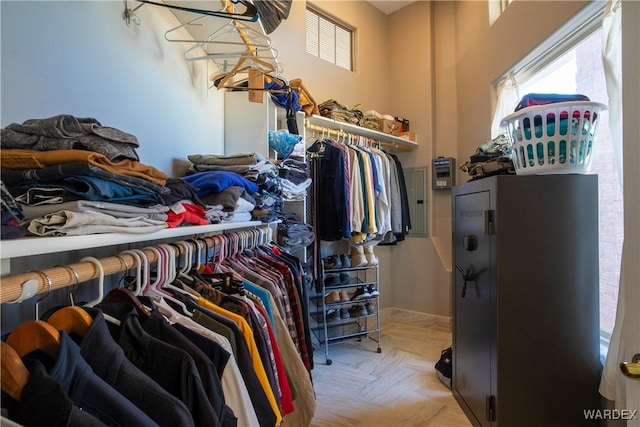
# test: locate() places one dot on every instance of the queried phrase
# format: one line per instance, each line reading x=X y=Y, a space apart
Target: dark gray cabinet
x=526 y=300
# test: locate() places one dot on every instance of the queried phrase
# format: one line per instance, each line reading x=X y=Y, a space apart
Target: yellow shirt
x=253 y=352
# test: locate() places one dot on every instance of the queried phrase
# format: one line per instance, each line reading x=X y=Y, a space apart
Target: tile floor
x=395 y=388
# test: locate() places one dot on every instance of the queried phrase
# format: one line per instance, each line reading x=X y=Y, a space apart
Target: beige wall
x=368 y=84
x=423 y=77
x=466 y=57
x=434 y=63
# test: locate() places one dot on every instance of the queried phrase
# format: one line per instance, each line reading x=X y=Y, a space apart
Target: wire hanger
x=265 y=53
x=245 y=36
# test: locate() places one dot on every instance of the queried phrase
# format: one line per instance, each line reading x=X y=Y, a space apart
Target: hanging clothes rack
x=58 y=277
x=340 y=133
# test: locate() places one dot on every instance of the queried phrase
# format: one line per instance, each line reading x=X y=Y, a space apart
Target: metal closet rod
x=63 y=276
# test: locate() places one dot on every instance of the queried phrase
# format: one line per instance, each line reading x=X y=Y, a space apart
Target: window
x=496 y=7
x=576 y=67
x=328 y=40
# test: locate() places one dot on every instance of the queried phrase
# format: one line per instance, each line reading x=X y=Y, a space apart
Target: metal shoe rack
x=340 y=312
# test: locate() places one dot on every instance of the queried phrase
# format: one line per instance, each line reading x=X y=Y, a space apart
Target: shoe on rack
x=332 y=297
x=372 y=259
x=360 y=293
x=373 y=291
x=332 y=280
x=370 y=308
x=333 y=315
x=344 y=313
x=358 y=258
x=346 y=260
x=344 y=296
x=357 y=311
x=345 y=278
x=332 y=262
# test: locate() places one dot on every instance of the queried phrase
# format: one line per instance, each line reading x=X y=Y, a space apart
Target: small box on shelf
x=392 y=127
x=411 y=136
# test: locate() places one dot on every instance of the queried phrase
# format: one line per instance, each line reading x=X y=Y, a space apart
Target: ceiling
x=390 y=6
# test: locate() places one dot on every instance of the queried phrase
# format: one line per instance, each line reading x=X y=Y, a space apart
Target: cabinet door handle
x=469 y=276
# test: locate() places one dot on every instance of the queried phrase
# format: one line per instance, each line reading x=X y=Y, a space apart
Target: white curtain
x=507 y=100
x=612 y=385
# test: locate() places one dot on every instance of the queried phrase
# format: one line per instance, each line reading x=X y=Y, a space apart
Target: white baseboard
x=400 y=315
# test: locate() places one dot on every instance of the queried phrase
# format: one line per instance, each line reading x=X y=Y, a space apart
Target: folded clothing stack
x=294 y=234
x=295 y=178
x=250 y=171
x=491 y=158
x=371 y=120
x=334 y=110
x=73 y=176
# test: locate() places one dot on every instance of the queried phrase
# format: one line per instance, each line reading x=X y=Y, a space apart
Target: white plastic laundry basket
x=554 y=138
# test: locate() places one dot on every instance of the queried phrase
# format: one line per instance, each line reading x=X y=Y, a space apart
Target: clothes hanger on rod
x=35 y=334
x=186 y=260
x=138 y=263
x=197 y=261
x=121 y=294
x=71 y=319
x=14 y=375
x=100 y=270
x=173 y=254
x=164 y=265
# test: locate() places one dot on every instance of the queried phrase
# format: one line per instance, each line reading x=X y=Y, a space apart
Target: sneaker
x=332 y=262
x=358 y=258
x=332 y=297
x=357 y=311
x=344 y=296
x=373 y=291
x=370 y=256
x=370 y=308
x=346 y=260
x=360 y=293
x=333 y=315
x=344 y=313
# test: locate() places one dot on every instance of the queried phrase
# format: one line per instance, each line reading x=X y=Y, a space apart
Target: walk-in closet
x=266 y=213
